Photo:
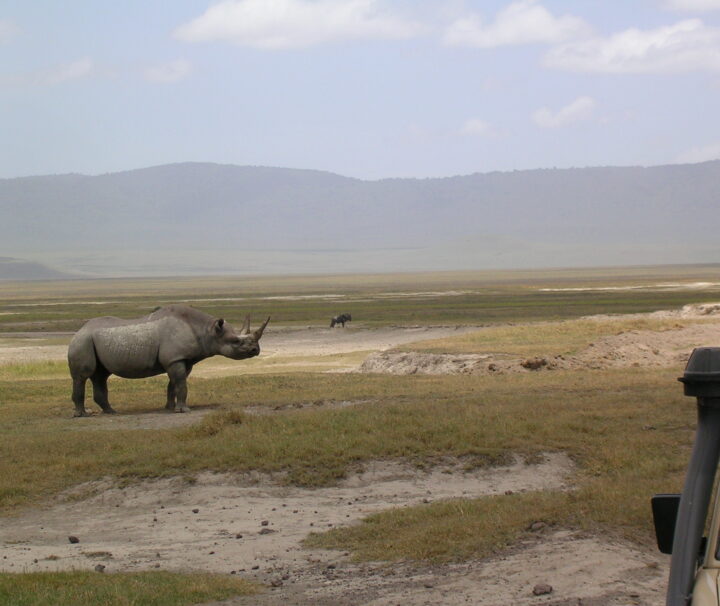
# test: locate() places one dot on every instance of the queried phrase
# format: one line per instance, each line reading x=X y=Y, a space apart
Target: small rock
x=238 y=536
x=276 y=582
x=428 y=585
x=534 y=363
x=285 y=577
x=267 y=531
x=264 y=523
x=331 y=566
x=542 y=589
x=255 y=567
x=100 y=568
x=196 y=510
x=535 y=526
x=73 y=539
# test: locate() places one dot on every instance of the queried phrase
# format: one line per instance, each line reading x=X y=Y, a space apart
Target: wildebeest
x=341 y=319
x=170 y=340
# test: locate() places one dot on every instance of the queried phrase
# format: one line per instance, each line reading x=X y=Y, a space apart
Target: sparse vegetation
x=628 y=430
x=118 y=589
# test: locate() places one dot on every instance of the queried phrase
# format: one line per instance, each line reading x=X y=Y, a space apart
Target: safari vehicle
x=681 y=519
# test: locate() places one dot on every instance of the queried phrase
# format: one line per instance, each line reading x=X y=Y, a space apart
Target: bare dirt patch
x=253 y=526
x=637 y=348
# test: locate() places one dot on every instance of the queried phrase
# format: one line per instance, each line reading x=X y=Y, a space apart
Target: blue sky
x=364 y=88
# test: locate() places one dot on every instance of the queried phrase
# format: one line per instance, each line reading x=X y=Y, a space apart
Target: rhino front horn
x=258 y=333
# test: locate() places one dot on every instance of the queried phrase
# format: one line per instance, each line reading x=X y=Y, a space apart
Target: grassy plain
x=454 y=298
x=129 y=589
x=628 y=430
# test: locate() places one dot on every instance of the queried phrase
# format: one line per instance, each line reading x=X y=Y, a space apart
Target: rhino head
x=237 y=346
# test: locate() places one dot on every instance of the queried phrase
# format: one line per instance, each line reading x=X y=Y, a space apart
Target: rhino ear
x=218 y=326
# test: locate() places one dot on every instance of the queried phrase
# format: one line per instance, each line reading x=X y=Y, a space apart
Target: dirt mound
x=645 y=348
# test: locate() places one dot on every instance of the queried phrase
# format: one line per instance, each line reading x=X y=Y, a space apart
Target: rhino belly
x=129 y=351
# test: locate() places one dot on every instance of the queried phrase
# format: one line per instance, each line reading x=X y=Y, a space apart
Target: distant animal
x=170 y=340
x=341 y=319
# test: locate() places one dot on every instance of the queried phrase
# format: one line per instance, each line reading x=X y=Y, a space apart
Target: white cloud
x=688 y=45
x=168 y=72
x=284 y=24
x=522 y=22
x=67 y=71
x=8 y=30
x=700 y=154
x=580 y=109
x=692 y=5
x=475 y=127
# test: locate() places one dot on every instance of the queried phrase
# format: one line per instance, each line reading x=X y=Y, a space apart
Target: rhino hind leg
x=100 y=391
x=78 y=397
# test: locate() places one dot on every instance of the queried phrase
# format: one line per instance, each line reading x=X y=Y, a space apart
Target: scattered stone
x=534 y=363
x=267 y=531
x=255 y=567
x=73 y=539
x=535 y=526
x=264 y=523
x=542 y=589
x=276 y=582
x=238 y=536
x=196 y=510
x=100 y=568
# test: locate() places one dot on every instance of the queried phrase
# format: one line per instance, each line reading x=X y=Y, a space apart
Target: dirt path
x=277 y=341
x=251 y=526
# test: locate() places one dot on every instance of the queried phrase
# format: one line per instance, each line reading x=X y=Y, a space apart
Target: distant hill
x=19 y=269
x=200 y=218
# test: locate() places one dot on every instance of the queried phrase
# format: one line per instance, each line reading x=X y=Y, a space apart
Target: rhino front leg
x=78 y=397
x=100 y=392
x=171 y=393
x=178 y=373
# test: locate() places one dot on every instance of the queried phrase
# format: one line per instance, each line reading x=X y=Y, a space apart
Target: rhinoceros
x=170 y=340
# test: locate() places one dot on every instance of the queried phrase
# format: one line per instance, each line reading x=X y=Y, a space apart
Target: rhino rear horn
x=258 y=333
x=245 y=330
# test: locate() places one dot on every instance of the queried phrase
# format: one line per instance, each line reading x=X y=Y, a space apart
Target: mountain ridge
x=556 y=217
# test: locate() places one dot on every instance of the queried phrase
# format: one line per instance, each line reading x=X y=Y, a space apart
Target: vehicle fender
x=705 y=591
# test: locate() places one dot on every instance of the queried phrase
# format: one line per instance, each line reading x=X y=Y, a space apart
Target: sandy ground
x=667 y=348
x=253 y=526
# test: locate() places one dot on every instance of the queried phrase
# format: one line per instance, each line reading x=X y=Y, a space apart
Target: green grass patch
x=118 y=589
